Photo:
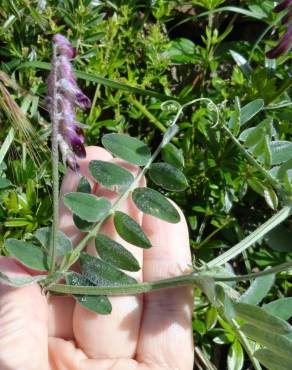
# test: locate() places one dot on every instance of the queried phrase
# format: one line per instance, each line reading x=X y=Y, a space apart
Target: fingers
x=115 y=335
x=23 y=323
x=166 y=330
x=61 y=308
x=70 y=183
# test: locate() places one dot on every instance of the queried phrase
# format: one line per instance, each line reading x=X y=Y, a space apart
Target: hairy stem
x=184 y=280
x=55 y=163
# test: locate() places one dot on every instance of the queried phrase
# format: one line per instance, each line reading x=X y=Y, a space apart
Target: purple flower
x=71 y=130
x=285 y=42
x=64 y=46
x=68 y=96
x=74 y=94
x=67 y=154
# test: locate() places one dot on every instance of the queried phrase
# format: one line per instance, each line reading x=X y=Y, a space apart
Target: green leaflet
x=261 y=319
x=43 y=235
x=115 y=254
x=29 y=254
x=172 y=155
x=281 y=308
x=21 y=281
x=128 y=148
x=168 y=176
x=250 y=110
x=110 y=174
x=258 y=290
x=86 y=206
x=155 y=204
x=101 y=273
x=130 y=230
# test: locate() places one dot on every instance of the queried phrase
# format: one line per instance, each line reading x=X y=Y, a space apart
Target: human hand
x=144 y=332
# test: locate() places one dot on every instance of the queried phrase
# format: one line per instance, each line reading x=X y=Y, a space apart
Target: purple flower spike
x=64 y=46
x=63 y=96
x=283 y=5
x=283 y=46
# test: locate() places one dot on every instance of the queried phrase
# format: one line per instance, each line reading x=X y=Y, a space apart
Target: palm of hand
x=150 y=332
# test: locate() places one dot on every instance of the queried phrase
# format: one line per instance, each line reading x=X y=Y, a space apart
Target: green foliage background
x=184 y=49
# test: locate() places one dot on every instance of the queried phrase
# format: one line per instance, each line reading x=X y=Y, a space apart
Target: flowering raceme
x=68 y=95
x=285 y=42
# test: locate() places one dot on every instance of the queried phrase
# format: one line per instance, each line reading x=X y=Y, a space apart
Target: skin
x=144 y=332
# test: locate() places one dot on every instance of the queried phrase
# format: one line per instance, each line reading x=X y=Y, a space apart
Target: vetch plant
x=51 y=251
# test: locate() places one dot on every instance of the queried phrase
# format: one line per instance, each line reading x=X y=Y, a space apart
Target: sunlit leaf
x=128 y=148
x=181 y=50
x=260 y=318
x=115 y=254
x=279 y=239
x=235 y=357
x=242 y=63
x=281 y=151
x=281 y=308
x=211 y=318
x=250 y=110
x=4 y=183
x=264 y=190
x=153 y=203
x=278 y=344
x=285 y=168
x=130 y=230
x=272 y=360
x=168 y=176
x=87 y=206
x=27 y=253
x=258 y=289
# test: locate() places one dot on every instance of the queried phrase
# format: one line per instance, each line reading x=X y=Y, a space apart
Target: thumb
x=23 y=323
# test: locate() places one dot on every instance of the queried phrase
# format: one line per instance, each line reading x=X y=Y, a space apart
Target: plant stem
x=252 y=238
x=244 y=341
x=184 y=280
x=55 y=163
